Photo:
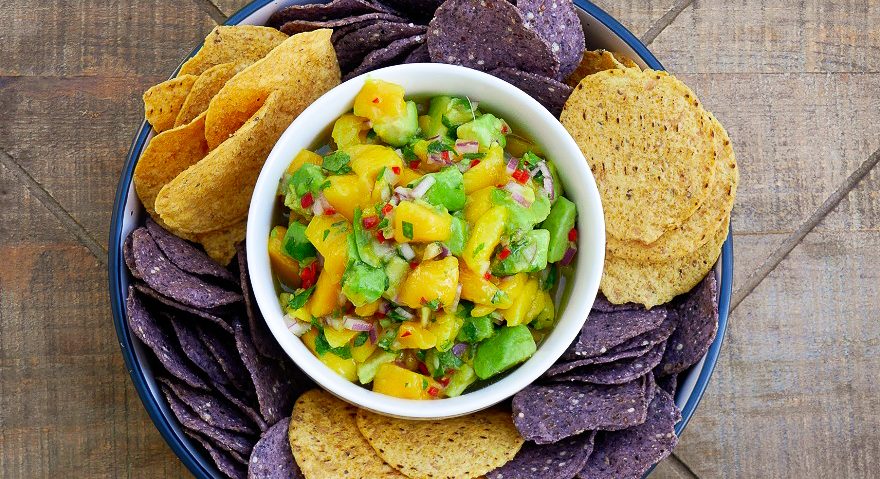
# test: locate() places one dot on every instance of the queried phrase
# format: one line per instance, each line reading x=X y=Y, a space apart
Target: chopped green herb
x=479 y=248
x=447 y=360
x=322 y=347
x=371 y=135
x=409 y=153
x=386 y=341
x=424 y=384
x=434 y=304
x=337 y=162
x=360 y=339
x=408 y=230
x=381 y=173
x=383 y=224
x=326 y=233
x=473 y=156
x=439 y=146
x=395 y=315
x=531 y=159
x=300 y=297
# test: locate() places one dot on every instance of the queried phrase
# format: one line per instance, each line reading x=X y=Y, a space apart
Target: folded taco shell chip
x=239 y=44
x=203 y=90
x=162 y=102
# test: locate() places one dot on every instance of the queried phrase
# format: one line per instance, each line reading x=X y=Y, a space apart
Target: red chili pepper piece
x=413 y=265
x=433 y=391
x=474 y=163
x=307 y=200
x=504 y=253
x=405 y=334
x=445 y=155
x=380 y=236
x=414 y=164
x=487 y=276
x=387 y=208
x=370 y=222
x=376 y=100
x=330 y=211
x=521 y=176
x=307 y=275
x=396 y=170
x=445 y=381
x=573 y=234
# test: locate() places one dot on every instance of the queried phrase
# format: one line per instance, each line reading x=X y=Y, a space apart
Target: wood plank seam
x=664 y=21
x=213 y=11
x=50 y=203
x=681 y=467
x=798 y=235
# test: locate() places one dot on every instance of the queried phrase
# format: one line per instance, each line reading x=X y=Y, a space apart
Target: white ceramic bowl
x=524 y=113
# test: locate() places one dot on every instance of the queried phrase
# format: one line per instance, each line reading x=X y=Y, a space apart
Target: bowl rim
x=420 y=79
x=195 y=461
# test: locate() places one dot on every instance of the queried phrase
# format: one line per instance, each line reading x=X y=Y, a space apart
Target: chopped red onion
x=384 y=306
x=512 y=164
x=466 y=146
x=459 y=349
x=395 y=200
x=317 y=208
x=404 y=313
x=569 y=255
x=406 y=251
x=454 y=305
x=444 y=251
x=517 y=192
x=548 y=180
x=356 y=324
x=374 y=335
x=298 y=328
x=423 y=186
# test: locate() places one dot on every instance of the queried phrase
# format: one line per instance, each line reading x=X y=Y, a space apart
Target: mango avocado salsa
x=418 y=249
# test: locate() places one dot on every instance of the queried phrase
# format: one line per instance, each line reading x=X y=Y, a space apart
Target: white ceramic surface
x=495 y=96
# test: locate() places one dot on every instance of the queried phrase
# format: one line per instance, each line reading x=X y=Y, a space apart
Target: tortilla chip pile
x=667 y=176
x=216 y=123
x=225 y=378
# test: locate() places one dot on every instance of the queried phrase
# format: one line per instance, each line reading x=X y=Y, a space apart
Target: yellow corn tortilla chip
x=625 y=60
x=651 y=284
x=203 y=90
x=220 y=244
x=239 y=44
x=162 y=102
x=302 y=68
x=463 y=447
x=700 y=226
x=166 y=156
x=326 y=443
x=594 y=61
x=649 y=145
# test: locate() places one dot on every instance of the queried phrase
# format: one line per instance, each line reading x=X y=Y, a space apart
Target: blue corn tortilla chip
x=697 y=320
x=352 y=48
x=546 y=413
x=560 y=460
x=174 y=305
x=637 y=346
x=230 y=464
x=618 y=372
x=488 y=34
x=211 y=408
x=417 y=9
x=603 y=331
x=392 y=54
x=172 y=282
x=668 y=383
x=186 y=256
x=419 y=55
x=602 y=304
x=557 y=22
x=227 y=357
x=194 y=349
x=226 y=440
x=548 y=91
x=235 y=398
x=299 y=26
x=273 y=385
x=320 y=12
x=128 y=257
x=272 y=457
x=262 y=337
x=144 y=325
x=631 y=452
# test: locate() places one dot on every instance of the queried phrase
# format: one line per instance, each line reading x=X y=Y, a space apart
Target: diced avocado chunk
x=366 y=371
x=458 y=112
x=433 y=124
x=559 y=223
x=527 y=254
x=486 y=130
x=447 y=190
x=439 y=363
x=475 y=330
x=457 y=235
x=307 y=179
x=396 y=270
x=521 y=218
x=364 y=241
x=296 y=245
x=558 y=190
x=362 y=283
x=459 y=381
x=507 y=348
x=399 y=131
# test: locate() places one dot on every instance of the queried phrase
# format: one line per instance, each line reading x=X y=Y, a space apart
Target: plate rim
x=194 y=461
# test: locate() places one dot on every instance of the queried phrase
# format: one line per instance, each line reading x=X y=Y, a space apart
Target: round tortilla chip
x=594 y=61
x=326 y=443
x=557 y=22
x=560 y=460
x=392 y=54
x=617 y=372
x=210 y=408
x=697 y=319
x=419 y=55
x=698 y=228
x=294 y=27
x=228 y=463
x=488 y=34
x=186 y=256
x=461 y=447
x=648 y=143
x=318 y=12
x=239 y=44
x=603 y=331
x=196 y=351
x=548 y=91
x=271 y=457
x=260 y=334
x=229 y=441
x=274 y=385
x=352 y=48
x=651 y=284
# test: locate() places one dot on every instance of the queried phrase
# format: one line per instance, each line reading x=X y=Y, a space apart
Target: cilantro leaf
x=408 y=230
x=300 y=297
x=337 y=162
x=360 y=339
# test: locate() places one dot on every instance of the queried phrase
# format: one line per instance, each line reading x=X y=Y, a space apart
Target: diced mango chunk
x=480 y=290
x=488 y=172
x=516 y=314
x=346 y=193
x=367 y=161
x=380 y=100
x=484 y=238
x=304 y=156
x=420 y=223
x=338 y=337
x=411 y=335
x=346 y=368
x=350 y=130
x=325 y=298
x=329 y=235
x=478 y=203
x=396 y=381
x=285 y=267
x=445 y=327
x=430 y=281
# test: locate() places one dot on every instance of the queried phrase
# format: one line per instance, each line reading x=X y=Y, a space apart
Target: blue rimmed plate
x=602 y=31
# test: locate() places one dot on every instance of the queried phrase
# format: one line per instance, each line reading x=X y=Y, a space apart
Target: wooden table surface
x=797 y=389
